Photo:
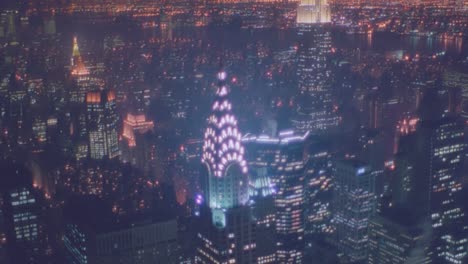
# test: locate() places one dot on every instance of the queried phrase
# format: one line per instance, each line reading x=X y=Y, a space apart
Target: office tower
x=94 y=235
x=80 y=74
x=315 y=111
x=397 y=237
x=277 y=165
x=290 y=200
x=319 y=190
x=102 y=120
x=429 y=179
x=135 y=148
x=354 y=203
x=26 y=226
x=227 y=232
x=11 y=33
x=440 y=168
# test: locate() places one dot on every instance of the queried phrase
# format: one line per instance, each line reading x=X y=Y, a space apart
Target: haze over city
x=233 y=131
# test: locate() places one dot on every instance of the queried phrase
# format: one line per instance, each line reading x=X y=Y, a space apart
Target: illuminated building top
x=78 y=67
x=313 y=12
x=133 y=124
x=98 y=97
x=222 y=145
x=223 y=155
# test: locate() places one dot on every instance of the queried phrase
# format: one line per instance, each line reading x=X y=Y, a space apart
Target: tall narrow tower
x=223 y=155
x=315 y=106
x=77 y=65
x=227 y=226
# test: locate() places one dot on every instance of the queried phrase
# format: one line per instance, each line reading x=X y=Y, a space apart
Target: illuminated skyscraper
x=135 y=146
x=27 y=226
x=315 y=111
x=290 y=199
x=439 y=172
x=280 y=162
x=77 y=64
x=354 y=203
x=227 y=235
x=102 y=120
x=80 y=75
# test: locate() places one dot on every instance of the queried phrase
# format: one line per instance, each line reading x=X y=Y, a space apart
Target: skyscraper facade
x=442 y=155
x=27 y=226
x=354 y=203
x=80 y=75
x=396 y=237
x=290 y=200
x=227 y=235
x=315 y=111
x=282 y=160
x=102 y=120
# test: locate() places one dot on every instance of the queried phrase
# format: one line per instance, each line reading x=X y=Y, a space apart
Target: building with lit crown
x=315 y=110
x=101 y=121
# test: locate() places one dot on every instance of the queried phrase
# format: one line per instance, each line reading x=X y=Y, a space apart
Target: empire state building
x=315 y=111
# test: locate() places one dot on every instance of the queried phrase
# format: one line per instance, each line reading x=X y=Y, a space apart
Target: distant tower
x=80 y=74
x=11 y=34
x=101 y=121
x=315 y=111
x=77 y=64
x=227 y=232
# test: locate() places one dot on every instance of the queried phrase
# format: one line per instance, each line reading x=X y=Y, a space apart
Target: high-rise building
x=278 y=167
x=429 y=175
x=26 y=226
x=227 y=233
x=102 y=120
x=440 y=171
x=396 y=237
x=77 y=64
x=354 y=203
x=315 y=111
x=83 y=80
x=135 y=148
x=109 y=238
x=290 y=200
x=319 y=190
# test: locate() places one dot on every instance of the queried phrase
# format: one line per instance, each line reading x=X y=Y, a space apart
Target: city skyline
x=232 y=131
